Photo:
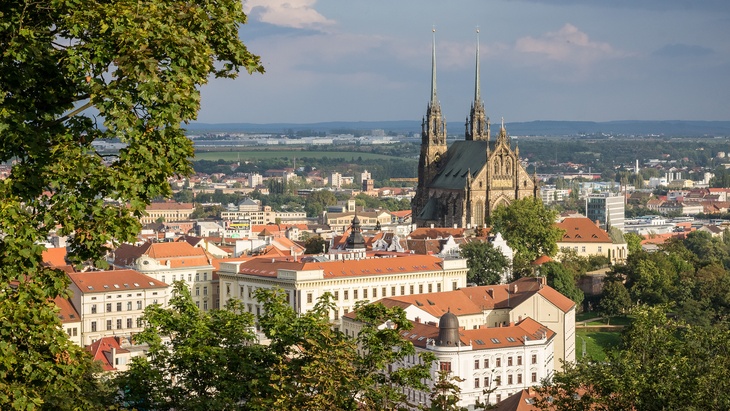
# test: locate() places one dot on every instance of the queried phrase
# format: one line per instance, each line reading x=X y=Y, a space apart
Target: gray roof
x=461 y=157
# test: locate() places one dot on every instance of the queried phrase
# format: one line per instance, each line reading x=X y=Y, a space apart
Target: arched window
x=479 y=213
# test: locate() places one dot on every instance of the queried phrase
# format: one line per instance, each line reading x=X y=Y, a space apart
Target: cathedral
x=462 y=184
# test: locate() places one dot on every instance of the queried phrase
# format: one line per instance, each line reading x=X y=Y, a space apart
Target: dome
x=448 y=331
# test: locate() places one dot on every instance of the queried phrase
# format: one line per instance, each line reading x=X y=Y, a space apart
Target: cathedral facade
x=462 y=184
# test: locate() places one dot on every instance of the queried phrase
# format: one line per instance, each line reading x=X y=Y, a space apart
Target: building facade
x=607 y=209
x=460 y=185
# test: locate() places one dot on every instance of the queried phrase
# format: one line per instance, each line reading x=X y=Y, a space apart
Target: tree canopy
x=486 y=263
x=529 y=228
x=74 y=73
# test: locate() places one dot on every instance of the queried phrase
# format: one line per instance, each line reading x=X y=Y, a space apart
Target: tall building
x=462 y=184
x=607 y=209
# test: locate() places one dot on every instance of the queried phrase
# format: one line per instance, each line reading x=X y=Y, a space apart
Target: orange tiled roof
x=267 y=267
x=582 y=230
x=170 y=206
x=101 y=351
x=67 y=313
x=178 y=254
x=55 y=257
x=116 y=280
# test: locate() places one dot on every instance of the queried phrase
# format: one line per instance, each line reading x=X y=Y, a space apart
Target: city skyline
x=539 y=60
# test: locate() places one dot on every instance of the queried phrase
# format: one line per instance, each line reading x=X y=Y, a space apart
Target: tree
x=196 y=360
x=315 y=245
x=486 y=263
x=615 y=299
x=562 y=280
x=661 y=364
x=318 y=202
x=140 y=65
x=529 y=228
x=633 y=242
x=445 y=393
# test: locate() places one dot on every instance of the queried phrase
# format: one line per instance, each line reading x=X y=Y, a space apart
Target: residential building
x=168 y=262
x=583 y=236
x=169 y=212
x=111 y=303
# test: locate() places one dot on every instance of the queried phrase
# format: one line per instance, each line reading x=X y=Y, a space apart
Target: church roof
x=461 y=157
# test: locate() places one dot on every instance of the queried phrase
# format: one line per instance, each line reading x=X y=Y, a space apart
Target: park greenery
x=73 y=73
x=203 y=361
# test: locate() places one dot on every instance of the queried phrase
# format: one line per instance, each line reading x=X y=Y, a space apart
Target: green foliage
x=196 y=360
x=445 y=393
x=318 y=202
x=633 y=242
x=486 y=263
x=529 y=228
x=615 y=300
x=140 y=65
x=562 y=280
x=662 y=364
x=315 y=245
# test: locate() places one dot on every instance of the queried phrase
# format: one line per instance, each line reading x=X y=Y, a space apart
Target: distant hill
x=670 y=128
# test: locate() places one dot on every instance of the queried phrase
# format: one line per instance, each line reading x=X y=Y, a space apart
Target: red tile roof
x=55 y=257
x=67 y=313
x=581 y=230
x=170 y=206
x=111 y=281
x=484 y=338
x=178 y=254
x=101 y=350
x=267 y=267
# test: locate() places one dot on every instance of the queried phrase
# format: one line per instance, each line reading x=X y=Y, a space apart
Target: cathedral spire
x=477 y=91
x=434 y=101
x=477 y=127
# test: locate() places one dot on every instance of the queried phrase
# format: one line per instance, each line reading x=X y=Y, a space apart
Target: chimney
x=418 y=320
x=432 y=226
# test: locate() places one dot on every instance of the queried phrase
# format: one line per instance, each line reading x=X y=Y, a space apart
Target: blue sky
x=593 y=60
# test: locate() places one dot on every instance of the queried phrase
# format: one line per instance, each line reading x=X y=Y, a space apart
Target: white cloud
x=567 y=45
x=298 y=14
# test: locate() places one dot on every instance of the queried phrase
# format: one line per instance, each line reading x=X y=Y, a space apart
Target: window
x=205 y=290
x=174 y=277
x=190 y=277
x=108 y=324
x=346 y=294
x=162 y=278
x=129 y=323
x=509 y=361
x=445 y=365
x=430 y=288
x=412 y=289
x=519 y=360
x=139 y=305
x=108 y=307
x=355 y=294
x=337 y=314
x=93 y=326
x=205 y=276
x=392 y=291
x=337 y=296
x=499 y=397
x=509 y=379
x=486 y=382
x=197 y=277
x=197 y=291
x=498 y=362
x=534 y=377
x=486 y=363
x=375 y=293
x=228 y=290
x=402 y=290
x=129 y=306
x=420 y=288
x=119 y=324
x=384 y=291
x=519 y=378
x=309 y=298
x=583 y=249
x=205 y=305
x=119 y=306
x=534 y=358
x=93 y=308
x=476 y=382
x=498 y=381
x=476 y=364
x=454 y=285
x=365 y=293
x=438 y=287
x=600 y=249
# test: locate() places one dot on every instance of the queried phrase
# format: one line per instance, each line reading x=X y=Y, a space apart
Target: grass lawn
x=620 y=320
x=597 y=343
x=252 y=155
x=587 y=315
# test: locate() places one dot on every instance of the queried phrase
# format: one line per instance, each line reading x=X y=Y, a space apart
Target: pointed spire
x=477 y=91
x=433 y=68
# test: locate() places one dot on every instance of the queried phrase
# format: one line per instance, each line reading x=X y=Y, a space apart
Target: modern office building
x=607 y=209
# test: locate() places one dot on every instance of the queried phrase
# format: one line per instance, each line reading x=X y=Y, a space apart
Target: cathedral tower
x=477 y=124
x=433 y=140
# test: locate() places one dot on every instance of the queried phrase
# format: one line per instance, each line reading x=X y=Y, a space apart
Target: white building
x=174 y=261
x=607 y=209
x=111 y=303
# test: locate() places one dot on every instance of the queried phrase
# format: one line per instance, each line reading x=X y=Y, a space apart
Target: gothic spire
x=477 y=91
x=434 y=101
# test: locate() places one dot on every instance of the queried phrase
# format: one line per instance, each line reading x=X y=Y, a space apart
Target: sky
x=579 y=60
